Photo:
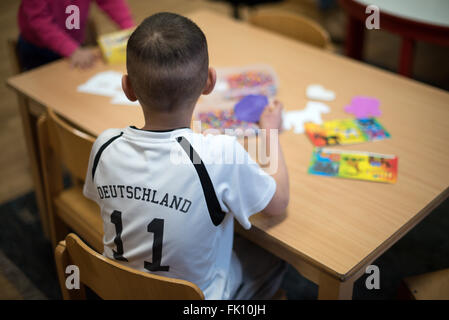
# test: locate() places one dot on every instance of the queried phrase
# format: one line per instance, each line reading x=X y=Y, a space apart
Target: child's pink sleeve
x=39 y=18
x=119 y=11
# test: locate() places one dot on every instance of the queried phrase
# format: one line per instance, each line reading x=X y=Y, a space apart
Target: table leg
x=355 y=33
x=406 y=57
x=331 y=288
x=29 y=130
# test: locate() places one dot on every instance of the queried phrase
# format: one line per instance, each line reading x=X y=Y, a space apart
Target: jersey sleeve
x=246 y=189
x=90 y=189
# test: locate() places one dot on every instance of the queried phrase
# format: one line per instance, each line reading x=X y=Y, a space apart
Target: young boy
x=167 y=200
x=44 y=36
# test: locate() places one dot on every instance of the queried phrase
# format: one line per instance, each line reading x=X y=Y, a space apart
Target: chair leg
x=354 y=38
x=406 y=58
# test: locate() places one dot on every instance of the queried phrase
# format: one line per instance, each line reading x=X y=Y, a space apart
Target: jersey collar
x=134 y=132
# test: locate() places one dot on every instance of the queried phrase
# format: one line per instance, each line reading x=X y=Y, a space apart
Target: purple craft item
x=250 y=108
x=364 y=107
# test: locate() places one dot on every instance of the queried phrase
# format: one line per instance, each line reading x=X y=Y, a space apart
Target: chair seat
x=82 y=215
x=429 y=286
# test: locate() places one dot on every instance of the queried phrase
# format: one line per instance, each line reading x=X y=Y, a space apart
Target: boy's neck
x=167 y=120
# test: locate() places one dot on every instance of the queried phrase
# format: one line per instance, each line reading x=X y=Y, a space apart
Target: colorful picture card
x=354 y=165
x=346 y=131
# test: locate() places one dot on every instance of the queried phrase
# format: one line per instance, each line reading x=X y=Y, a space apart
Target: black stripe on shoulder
x=215 y=212
x=100 y=151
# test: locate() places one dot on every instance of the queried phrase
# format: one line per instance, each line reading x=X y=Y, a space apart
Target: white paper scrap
x=312 y=113
x=318 y=92
x=109 y=84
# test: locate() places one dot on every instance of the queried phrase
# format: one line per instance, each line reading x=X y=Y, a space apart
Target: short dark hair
x=167 y=61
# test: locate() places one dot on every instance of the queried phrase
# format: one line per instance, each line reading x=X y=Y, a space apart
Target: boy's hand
x=271 y=117
x=83 y=57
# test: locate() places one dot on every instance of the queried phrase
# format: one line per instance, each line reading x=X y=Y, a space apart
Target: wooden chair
x=111 y=280
x=62 y=145
x=293 y=26
x=427 y=286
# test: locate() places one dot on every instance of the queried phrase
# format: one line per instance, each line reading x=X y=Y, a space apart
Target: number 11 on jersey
x=156 y=226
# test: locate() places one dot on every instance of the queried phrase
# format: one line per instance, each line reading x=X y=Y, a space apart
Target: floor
x=17 y=204
x=27 y=269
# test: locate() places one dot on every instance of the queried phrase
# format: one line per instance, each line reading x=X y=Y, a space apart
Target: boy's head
x=167 y=62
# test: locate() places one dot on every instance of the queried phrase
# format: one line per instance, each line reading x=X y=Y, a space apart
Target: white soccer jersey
x=168 y=200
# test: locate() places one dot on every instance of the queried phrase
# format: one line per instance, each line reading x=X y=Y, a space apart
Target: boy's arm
x=271 y=119
x=118 y=11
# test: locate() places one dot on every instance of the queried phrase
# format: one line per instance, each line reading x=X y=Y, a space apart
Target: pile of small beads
x=225 y=122
x=250 y=82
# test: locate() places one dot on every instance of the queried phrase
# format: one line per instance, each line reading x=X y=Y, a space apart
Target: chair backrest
x=291 y=25
x=71 y=145
x=111 y=280
x=14 y=56
x=62 y=144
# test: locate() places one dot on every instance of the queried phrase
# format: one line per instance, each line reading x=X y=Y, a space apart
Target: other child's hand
x=83 y=57
x=271 y=117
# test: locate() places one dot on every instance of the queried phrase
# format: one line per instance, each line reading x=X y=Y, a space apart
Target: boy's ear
x=211 y=79
x=128 y=89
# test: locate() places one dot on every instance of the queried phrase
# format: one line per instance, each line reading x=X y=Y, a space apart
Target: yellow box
x=113 y=45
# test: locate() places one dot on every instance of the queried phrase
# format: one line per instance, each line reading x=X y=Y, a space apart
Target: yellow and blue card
x=346 y=131
x=354 y=165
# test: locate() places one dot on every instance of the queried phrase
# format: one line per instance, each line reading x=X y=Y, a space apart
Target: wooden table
x=412 y=20
x=334 y=228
